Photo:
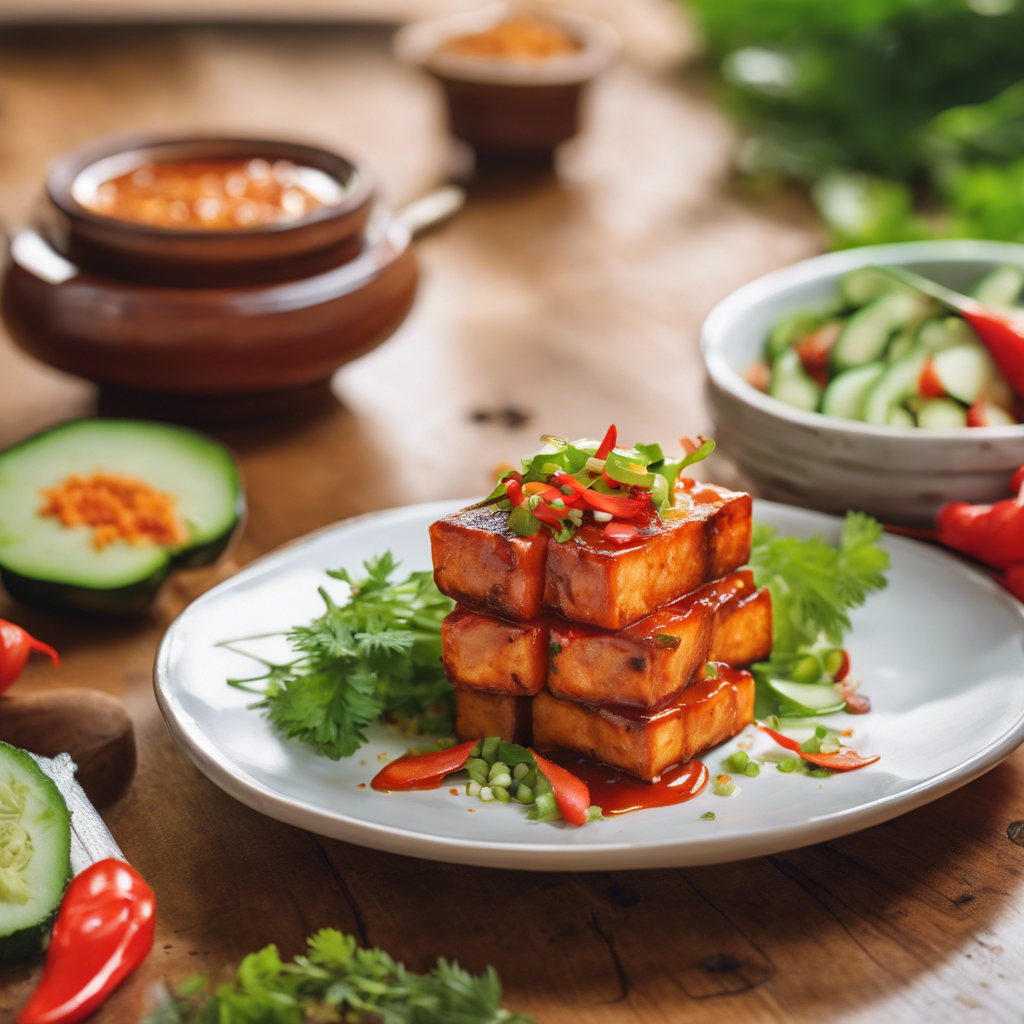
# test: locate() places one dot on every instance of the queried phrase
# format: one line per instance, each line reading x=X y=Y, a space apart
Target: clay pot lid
x=421 y=44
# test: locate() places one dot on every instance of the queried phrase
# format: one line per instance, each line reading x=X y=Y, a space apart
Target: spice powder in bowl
x=208 y=195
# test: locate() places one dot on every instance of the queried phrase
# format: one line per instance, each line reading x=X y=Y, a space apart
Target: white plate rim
x=217 y=767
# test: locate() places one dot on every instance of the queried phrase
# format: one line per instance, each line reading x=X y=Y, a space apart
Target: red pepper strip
x=545 y=513
x=571 y=794
x=614 y=484
x=621 y=533
x=845 y=760
x=15 y=647
x=613 y=504
x=607 y=444
x=1003 y=336
x=929 y=385
x=814 y=351
x=993 y=534
x=844 y=666
x=103 y=932
x=425 y=771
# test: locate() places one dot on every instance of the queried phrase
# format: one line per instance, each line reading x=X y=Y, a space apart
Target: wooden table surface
x=569 y=302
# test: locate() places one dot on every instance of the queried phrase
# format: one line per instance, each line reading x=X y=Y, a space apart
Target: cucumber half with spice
x=95 y=514
x=35 y=854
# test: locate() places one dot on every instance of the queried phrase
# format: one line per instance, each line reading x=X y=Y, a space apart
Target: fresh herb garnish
x=338 y=981
x=378 y=655
x=566 y=479
x=813 y=586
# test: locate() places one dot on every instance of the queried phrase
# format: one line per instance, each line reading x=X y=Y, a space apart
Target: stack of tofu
x=601 y=648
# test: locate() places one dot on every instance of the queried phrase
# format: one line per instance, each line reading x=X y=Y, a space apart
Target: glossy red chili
x=621 y=533
x=425 y=771
x=15 y=647
x=104 y=930
x=613 y=504
x=844 y=760
x=571 y=794
x=607 y=444
x=993 y=534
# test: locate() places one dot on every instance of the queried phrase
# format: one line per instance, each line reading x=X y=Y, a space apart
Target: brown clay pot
x=516 y=111
x=207 y=313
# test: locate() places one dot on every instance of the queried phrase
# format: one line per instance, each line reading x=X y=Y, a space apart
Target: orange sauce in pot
x=212 y=195
x=520 y=38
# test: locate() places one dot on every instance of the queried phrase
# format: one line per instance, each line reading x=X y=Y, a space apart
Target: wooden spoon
x=93 y=727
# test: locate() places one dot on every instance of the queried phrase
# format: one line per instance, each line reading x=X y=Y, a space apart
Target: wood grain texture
x=548 y=304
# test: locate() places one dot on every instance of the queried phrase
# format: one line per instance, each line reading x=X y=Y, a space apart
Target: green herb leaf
x=335 y=981
x=377 y=655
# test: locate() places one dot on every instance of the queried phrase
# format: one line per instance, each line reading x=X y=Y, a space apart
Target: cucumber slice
x=859 y=287
x=867 y=333
x=806 y=698
x=845 y=393
x=941 y=414
x=903 y=343
x=791 y=383
x=791 y=329
x=940 y=333
x=45 y=563
x=966 y=372
x=894 y=387
x=35 y=854
x=999 y=287
x=900 y=417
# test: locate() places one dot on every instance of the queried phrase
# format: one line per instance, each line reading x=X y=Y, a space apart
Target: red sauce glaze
x=618 y=792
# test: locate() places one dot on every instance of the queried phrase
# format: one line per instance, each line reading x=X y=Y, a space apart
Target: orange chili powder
x=117 y=508
x=515 y=39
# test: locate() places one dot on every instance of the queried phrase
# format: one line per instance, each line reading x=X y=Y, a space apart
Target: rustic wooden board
x=547 y=305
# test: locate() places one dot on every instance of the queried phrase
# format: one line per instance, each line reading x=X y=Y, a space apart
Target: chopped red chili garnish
x=844 y=760
x=571 y=793
x=424 y=772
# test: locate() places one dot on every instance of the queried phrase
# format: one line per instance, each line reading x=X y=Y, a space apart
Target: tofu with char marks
x=481 y=563
x=646 y=743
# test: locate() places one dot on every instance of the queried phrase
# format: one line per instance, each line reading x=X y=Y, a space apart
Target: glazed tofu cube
x=479 y=561
x=743 y=630
x=478 y=715
x=592 y=580
x=644 y=664
x=646 y=743
x=483 y=652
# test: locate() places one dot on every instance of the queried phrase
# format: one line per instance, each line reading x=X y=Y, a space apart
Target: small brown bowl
x=181 y=312
x=510 y=110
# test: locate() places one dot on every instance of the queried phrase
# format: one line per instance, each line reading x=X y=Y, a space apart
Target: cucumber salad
x=885 y=354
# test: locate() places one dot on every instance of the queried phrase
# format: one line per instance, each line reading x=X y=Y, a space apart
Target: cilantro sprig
x=814 y=586
x=376 y=656
x=337 y=980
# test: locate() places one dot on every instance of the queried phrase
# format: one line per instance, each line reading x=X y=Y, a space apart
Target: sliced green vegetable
x=35 y=854
x=790 y=383
x=847 y=391
x=999 y=287
x=941 y=414
x=966 y=372
x=798 y=699
x=940 y=333
x=47 y=564
x=867 y=332
x=865 y=284
x=898 y=383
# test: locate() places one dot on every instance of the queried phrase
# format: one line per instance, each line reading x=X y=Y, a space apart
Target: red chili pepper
x=15 y=647
x=104 y=930
x=621 y=533
x=571 y=794
x=814 y=351
x=607 y=444
x=929 y=385
x=545 y=513
x=844 y=666
x=617 y=505
x=614 y=484
x=423 y=772
x=845 y=760
x=993 y=534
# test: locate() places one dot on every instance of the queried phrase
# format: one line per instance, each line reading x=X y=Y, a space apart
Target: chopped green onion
x=708 y=816
x=473 y=788
x=724 y=786
x=489 y=751
x=738 y=761
x=475 y=752
x=753 y=769
x=820 y=773
x=806 y=670
x=530 y=779
x=486 y=794
x=477 y=764
x=524 y=794
x=520 y=770
x=498 y=768
x=478 y=777
x=445 y=743
x=787 y=766
x=545 y=808
x=502 y=781
x=502 y=795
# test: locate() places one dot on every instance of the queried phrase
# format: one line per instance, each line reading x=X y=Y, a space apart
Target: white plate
x=941 y=652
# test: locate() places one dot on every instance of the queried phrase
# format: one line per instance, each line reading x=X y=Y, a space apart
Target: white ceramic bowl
x=898 y=474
